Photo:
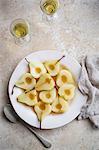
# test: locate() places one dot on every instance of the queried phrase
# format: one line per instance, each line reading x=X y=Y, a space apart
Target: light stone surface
x=76 y=29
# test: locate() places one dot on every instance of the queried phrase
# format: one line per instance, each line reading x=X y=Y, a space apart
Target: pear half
x=45 y=82
x=67 y=91
x=26 y=82
x=29 y=98
x=48 y=96
x=37 y=69
x=64 y=77
x=52 y=67
x=42 y=110
x=60 y=105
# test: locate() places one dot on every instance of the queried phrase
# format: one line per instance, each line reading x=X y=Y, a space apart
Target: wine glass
x=20 y=30
x=49 y=8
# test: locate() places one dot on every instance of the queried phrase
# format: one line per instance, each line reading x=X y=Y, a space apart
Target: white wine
x=20 y=30
x=50 y=6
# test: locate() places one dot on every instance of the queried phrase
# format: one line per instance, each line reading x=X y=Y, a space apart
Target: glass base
x=49 y=19
x=22 y=41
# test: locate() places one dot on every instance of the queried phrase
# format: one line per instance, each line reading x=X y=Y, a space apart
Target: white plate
x=26 y=113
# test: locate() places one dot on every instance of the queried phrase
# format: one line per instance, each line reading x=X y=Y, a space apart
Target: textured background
x=76 y=30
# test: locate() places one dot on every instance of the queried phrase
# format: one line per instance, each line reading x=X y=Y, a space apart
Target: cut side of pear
x=67 y=91
x=37 y=69
x=26 y=82
x=45 y=83
x=48 y=96
x=60 y=105
x=63 y=67
x=52 y=67
x=29 y=98
x=64 y=77
x=42 y=110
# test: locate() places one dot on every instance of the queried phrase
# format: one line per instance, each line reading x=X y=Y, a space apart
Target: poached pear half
x=45 y=83
x=48 y=96
x=64 y=77
x=67 y=91
x=26 y=82
x=29 y=98
x=42 y=110
x=37 y=69
x=60 y=105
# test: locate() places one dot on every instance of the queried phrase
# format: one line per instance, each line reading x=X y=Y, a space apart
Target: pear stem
x=13 y=89
x=40 y=125
x=56 y=87
x=28 y=91
x=27 y=60
x=60 y=59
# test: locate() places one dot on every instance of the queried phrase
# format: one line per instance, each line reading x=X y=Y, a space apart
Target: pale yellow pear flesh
x=45 y=82
x=37 y=69
x=26 y=82
x=48 y=96
x=67 y=91
x=42 y=110
x=52 y=67
x=60 y=105
x=62 y=67
x=64 y=77
x=29 y=98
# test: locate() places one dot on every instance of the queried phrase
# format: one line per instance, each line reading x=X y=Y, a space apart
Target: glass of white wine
x=49 y=8
x=20 y=30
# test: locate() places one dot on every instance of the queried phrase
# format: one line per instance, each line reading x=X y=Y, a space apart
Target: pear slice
x=60 y=105
x=64 y=77
x=37 y=69
x=29 y=98
x=26 y=82
x=53 y=67
x=45 y=82
x=67 y=91
x=48 y=96
x=42 y=110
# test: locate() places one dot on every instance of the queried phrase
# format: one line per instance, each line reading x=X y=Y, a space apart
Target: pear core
x=42 y=106
x=31 y=96
x=48 y=80
x=64 y=78
x=28 y=80
x=67 y=92
x=58 y=106
x=48 y=95
x=51 y=67
x=38 y=70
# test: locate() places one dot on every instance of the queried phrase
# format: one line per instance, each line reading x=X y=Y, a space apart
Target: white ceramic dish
x=26 y=113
